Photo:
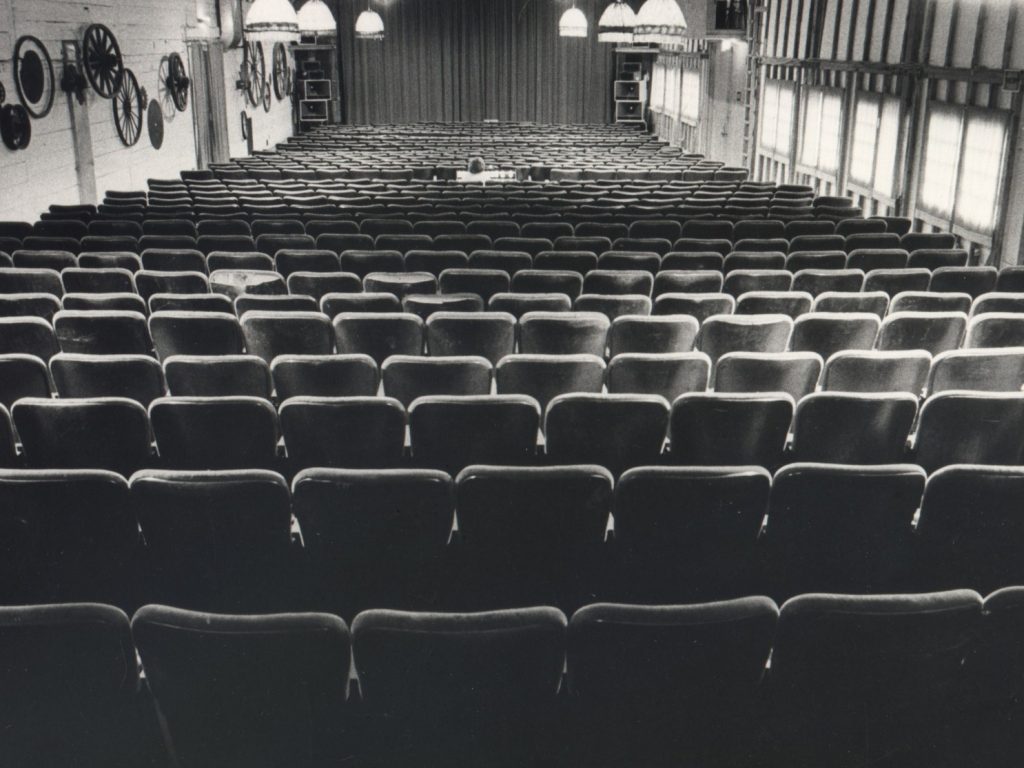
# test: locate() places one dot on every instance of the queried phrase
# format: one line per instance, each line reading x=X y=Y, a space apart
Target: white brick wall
x=146 y=30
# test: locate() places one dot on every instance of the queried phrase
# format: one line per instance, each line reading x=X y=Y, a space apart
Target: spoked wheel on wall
x=101 y=55
x=254 y=68
x=129 y=106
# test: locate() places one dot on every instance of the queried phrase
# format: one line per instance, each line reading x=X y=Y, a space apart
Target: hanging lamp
x=272 y=20
x=369 y=25
x=616 y=24
x=573 y=23
x=660 y=21
x=316 y=19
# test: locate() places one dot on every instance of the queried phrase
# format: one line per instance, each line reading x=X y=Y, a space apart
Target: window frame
x=821 y=93
x=869 y=188
x=774 y=152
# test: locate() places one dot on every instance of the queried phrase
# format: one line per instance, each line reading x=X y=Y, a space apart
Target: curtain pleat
x=471 y=60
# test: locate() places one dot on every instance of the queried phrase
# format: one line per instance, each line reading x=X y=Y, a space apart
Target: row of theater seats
x=491 y=537
x=406 y=377
x=890 y=250
x=449 y=432
x=906 y=680
x=667 y=229
x=494 y=335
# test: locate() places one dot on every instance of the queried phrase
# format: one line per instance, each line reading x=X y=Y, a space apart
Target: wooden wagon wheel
x=129 y=105
x=102 y=59
x=282 y=72
x=15 y=126
x=255 y=67
x=33 y=76
x=177 y=82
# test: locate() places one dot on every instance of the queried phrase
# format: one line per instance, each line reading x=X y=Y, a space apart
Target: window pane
x=888 y=144
x=831 y=130
x=769 y=115
x=977 y=194
x=658 y=87
x=942 y=152
x=862 y=151
x=785 y=124
x=691 y=96
x=812 y=128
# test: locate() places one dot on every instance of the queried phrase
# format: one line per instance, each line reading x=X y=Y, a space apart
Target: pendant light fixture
x=616 y=24
x=272 y=20
x=573 y=23
x=369 y=25
x=660 y=21
x=316 y=19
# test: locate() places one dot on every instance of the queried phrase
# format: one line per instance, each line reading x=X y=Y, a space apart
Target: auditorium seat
x=401 y=284
x=997 y=301
x=927 y=301
x=548 y=281
x=334 y=304
x=94 y=280
x=875 y=302
x=935 y=258
x=995 y=329
x=44 y=259
x=363 y=262
x=520 y=304
x=490 y=335
x=101 y=302
x=741 y=281
x=505 y=261
x=874 y=371
x=22 y=375
x=615 y=431
x=269 y=334
x=215 y=432
x=743 y=333
x=316 y=285
x=826 y=333
x=858 y=679
x=285 y=675
x=450 y=433
x=215 y=539
x=28 y=336
x=991 y=370
x=292 y=303
x=613 y=306
x=708 y=429
x=187 y=302
x=173 y=260
x=687 y=281
x=148 y=282
x=97 y=720
x=795 y=373
x=963 y=427
x=968 y=528
x=324 y=376
x=89 y=433
x=668 y=684
x=544 y=377
x=853 y=428
x=343 y=431
x=893 y=281
x=375 y=537
x=195 y=333
x=136 y=377
x=563 y=333
x=21 y=280
x=483 y=282
x=668 y=375
x=108 y=332
x=819 y=281
x=378 y=334
x=221 y=376
x=933 y=332
x=406 y=377
x=226 y=260
x=461 y=688
x=289 y=260
x=531 y=535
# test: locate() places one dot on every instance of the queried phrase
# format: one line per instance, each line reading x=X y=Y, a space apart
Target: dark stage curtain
x=469 y=60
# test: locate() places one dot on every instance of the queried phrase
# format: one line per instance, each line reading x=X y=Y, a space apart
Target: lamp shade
x=660 y=21
x=315 y=18
x=573 y=23
x=616 y=24
x=370 y=26
x=272 y=19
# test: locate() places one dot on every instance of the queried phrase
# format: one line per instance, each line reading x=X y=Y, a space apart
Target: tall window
x=672 y=91
x=658 y=87
x=876 y=134
x=689 y=111
x=822 y=133
x=777 y=117
x=964 y=157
